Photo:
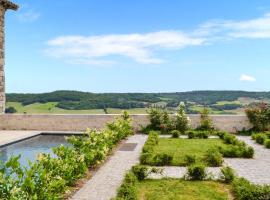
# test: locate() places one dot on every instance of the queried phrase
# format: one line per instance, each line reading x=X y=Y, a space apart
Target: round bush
x=191 y=134
x=162 y=159
x=267 y=143
x=248 y=152
x=228 y=174
x=196 y=172
x=203 y=134
x=229 y=138
x=175 y=134
x=260 y=138
x=141 y=172
x=214 y=158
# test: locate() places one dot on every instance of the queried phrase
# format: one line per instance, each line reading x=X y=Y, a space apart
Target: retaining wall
x=81 y=122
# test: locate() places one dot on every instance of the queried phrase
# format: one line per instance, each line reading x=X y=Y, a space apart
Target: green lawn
x=175 y=189
x=178 y=148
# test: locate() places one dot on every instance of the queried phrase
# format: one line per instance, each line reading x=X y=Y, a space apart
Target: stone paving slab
x=255 y=170
x=179 y=172
x=7 y=137
x=105 y=182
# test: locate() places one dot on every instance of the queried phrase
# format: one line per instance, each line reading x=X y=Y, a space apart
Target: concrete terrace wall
x=81 y=122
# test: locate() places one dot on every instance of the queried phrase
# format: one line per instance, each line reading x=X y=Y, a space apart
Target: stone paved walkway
x=179 y=172
x=186 y=137
x=255 y=170
x=104 y=184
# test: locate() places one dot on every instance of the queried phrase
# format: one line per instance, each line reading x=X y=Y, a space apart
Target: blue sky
x=138 y=46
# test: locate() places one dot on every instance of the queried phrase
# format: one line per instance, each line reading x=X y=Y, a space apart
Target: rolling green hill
x=75 y=102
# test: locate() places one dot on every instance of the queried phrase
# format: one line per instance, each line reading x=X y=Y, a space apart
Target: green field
x=179 y=148
x=199 y=108
x=50 y=108
x=174 y=189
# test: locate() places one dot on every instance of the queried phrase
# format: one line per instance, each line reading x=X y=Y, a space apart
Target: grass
x=131 y=111
x=49 y=108
x=199 y=108
x=178 y=148
x=221 y=103
x=175 y=189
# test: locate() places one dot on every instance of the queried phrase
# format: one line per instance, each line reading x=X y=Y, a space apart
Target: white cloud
x=245 y=77
x=253 y=28
x=96 y=50
x=28 y=16
x=139 y=47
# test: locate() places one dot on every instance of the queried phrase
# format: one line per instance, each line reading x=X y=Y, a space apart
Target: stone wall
x=81 y=122
x=2 y=76
x=4 y=6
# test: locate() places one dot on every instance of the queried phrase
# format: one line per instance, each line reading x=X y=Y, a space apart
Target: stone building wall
x=2 y=76
x=4 y=6
x=229 y=123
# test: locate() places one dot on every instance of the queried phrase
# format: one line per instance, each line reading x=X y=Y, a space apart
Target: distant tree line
x=75 y=100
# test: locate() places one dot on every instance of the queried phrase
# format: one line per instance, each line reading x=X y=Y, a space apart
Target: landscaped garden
x=171 y=142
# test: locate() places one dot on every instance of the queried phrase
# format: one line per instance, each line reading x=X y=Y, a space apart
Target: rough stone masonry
x=4 y=6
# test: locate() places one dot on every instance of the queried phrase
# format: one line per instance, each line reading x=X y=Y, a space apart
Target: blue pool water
x=30 y=148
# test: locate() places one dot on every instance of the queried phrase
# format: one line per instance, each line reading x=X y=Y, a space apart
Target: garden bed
x=180 y=148
x=180 y=189
x=183 y=152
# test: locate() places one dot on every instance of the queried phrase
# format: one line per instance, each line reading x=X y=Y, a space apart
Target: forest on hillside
x=75 y=100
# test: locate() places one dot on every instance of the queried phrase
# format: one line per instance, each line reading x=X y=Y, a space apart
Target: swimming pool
x=30 y=148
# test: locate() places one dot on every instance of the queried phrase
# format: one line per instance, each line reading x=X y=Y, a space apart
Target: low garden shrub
x=227 y=174
x=244 y=190
x=175 y=134
x=191 y=134
x=127 y=190
x=197 y=134
x=140 y=171
x=260 y=138
x=267 y=143
x=162 y=159
x=196 y=172
x=236 y=148
x=213 y=158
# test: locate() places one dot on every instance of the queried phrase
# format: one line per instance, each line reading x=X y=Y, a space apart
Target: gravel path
x=104 y=184
x=186 y=137
x=255 y=170
x=179 y=172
